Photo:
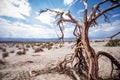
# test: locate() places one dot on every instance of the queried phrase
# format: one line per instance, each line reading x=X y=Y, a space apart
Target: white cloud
x=9 y=29
x=80 y=11
x=15 y=8
x=69 y=32
x=116 y=15
x=4 y=22
x=68 y=2
x=105 y=30
x=21 y=30
x=47 y=18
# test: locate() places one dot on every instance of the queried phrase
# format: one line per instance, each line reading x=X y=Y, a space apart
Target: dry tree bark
x=80 y=64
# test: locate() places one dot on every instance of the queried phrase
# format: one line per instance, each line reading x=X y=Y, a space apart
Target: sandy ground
x=19 y=67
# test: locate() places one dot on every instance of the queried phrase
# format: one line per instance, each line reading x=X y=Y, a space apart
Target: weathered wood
x=82 y=45
x=114 y=35
x=113 y=60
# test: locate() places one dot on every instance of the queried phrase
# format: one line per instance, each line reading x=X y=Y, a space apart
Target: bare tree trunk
x=91 y=56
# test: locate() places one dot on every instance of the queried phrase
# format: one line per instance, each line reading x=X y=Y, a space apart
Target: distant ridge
x=43 y=39
x=32 y=39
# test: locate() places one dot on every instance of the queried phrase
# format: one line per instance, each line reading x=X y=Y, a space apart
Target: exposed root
x=77 y=77
x=113 y=60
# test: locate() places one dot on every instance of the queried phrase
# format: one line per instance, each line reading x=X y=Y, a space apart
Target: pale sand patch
x=24 y=64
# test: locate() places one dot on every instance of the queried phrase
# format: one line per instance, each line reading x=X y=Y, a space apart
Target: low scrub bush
x=12 y=51
x=28 y=46
x=21 y=53
x=5 y=54
x=2 y=62
x=4 y=50
x=1 y=47
x=99 y=41
x=49 y=47
x=113 y=43
x=39 y=50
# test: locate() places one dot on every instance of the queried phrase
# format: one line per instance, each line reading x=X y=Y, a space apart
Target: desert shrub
x=99 y=41
x=28 y=46
x=12 y=51
x=39 y=50
x=43 y=46
x=2 y=62
x=21 y=53
x=69 y=42
x=17 y=46
x=5 y=54
x=113 y=43
x=1 y=47
x=20 y=48
x=4 y=50
x=56 y=47
x=49 y=47
x=38 y=44
x=26 y=49
x=50 y=44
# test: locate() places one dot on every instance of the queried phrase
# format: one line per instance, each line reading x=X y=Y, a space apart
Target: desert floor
x=19 y=60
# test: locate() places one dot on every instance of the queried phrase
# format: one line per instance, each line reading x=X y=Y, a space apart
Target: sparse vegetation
x=21 y=53
x=38 y=44
x=43 y=46
x=49 y=47
x=4 y=50
x=1 y=47
x=2 y=62
x=17 y=46
x=38 y=50
x=113 y=43
x=28 y=46
x=5 y=54
x=12 y=51
x=98 y=40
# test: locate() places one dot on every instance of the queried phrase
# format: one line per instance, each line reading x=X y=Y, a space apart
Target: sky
x=21 y=19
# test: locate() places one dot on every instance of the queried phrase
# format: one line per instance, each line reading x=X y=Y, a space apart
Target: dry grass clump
x=1 y=48
x=38 y=44
x=5 y=54
x=21 y=53
x=38 y=50
x=99 y=41
x=69 y=42
x=28 y=46
x=43 y=46
x=2 y=62
x=12 y=51
x=4 y=50
x=56 y=47
x=47 y=45
x=17 y=46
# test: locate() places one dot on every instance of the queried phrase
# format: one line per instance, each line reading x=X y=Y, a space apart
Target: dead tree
x=84 y=60
x=111 y=37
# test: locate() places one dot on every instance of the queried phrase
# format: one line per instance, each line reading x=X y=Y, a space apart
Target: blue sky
x=20 y=19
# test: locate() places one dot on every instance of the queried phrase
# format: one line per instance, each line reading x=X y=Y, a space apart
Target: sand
x=19 y=67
